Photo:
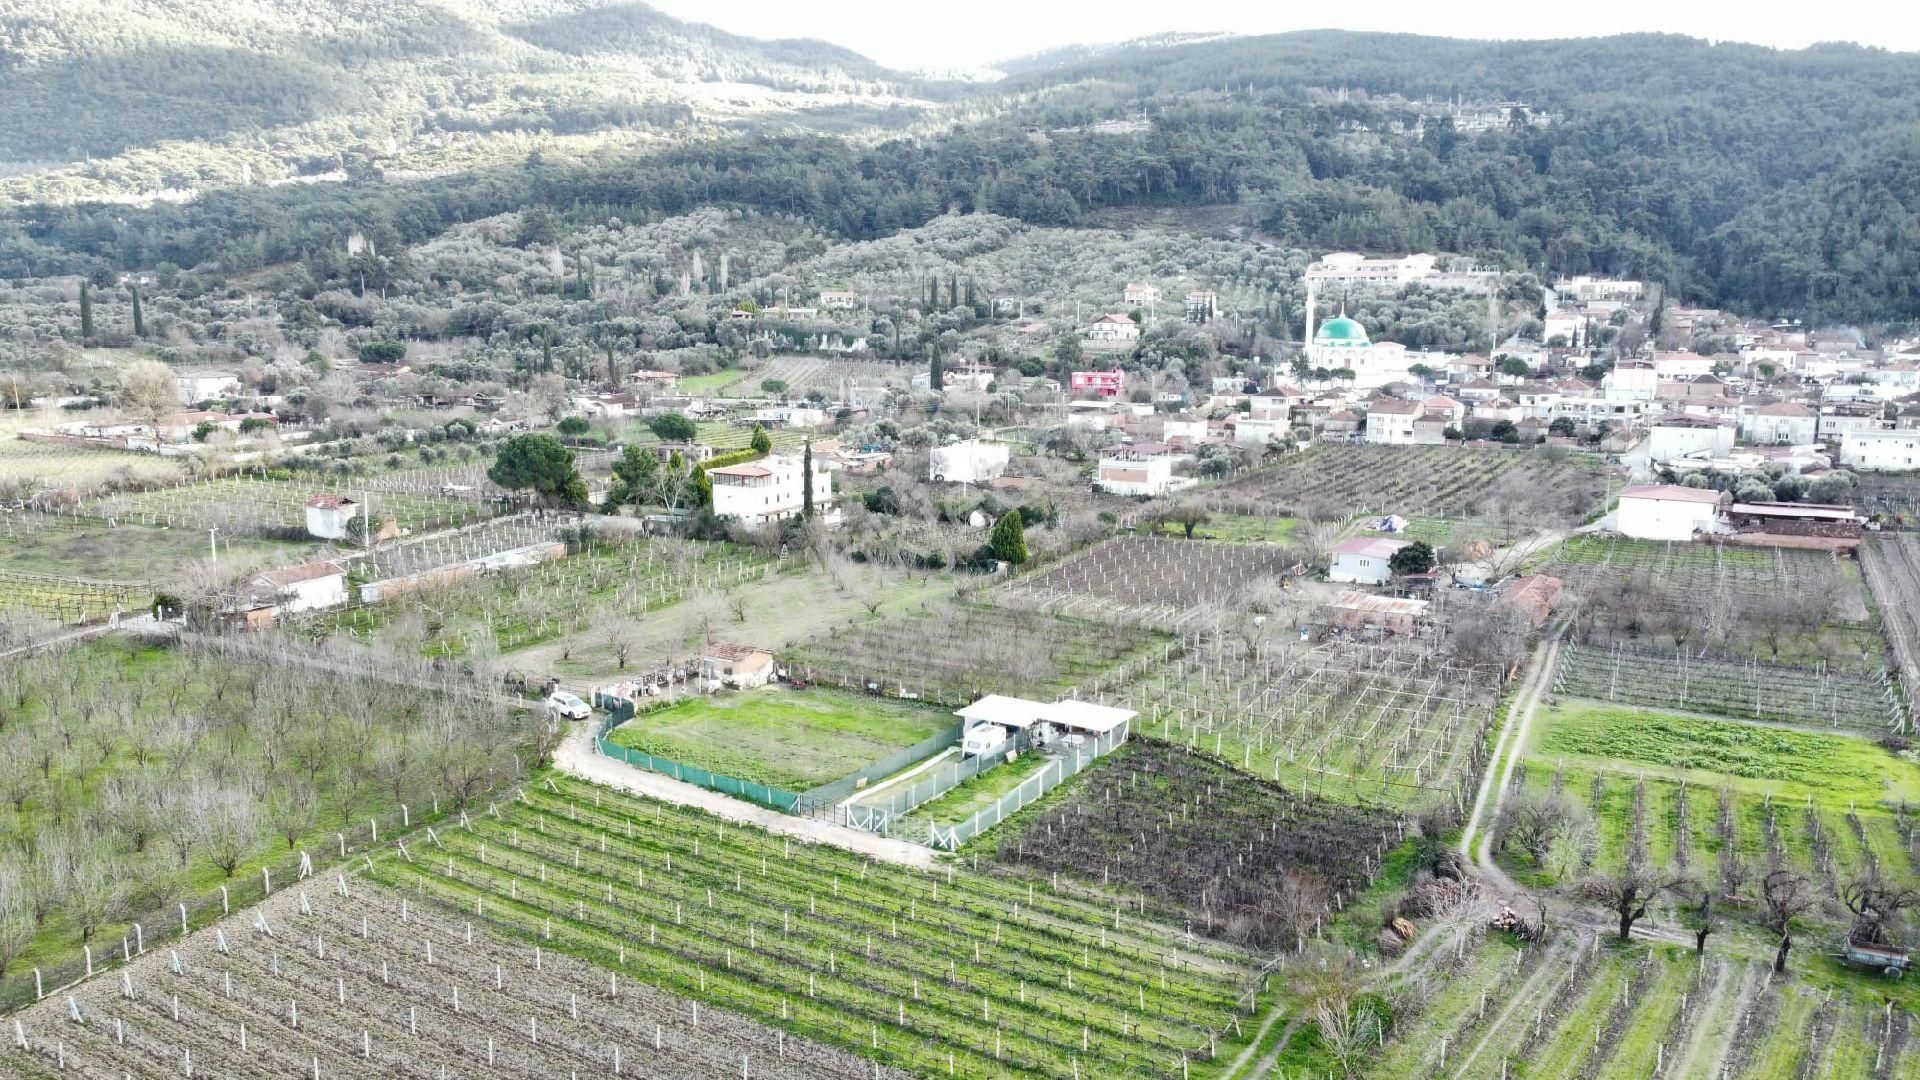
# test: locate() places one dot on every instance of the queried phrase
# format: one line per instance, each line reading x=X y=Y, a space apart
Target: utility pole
x=213 y=551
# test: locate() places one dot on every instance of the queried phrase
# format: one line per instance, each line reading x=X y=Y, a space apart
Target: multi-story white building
x=1354 y=268
x=1113 y=328
x=1877 y=451
x=1136 y=469
x=1586 y=288
x=1137 y=295
x=1783 y=423
x=769 y=489
x=1391 y=421
x=1631 y=382
x=974 y=461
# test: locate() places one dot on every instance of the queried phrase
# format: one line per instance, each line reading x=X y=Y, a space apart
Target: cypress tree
x=806 y=480
x=139 y=325
x=86 y=312
x=936 y=374
x=1009 y=539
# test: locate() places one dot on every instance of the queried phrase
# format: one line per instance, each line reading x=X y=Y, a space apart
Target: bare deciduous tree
x=1787 y=896
x=148 y=393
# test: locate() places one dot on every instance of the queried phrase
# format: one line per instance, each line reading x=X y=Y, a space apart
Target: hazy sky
x=976 y=32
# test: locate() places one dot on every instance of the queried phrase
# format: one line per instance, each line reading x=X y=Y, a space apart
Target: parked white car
x=568 y=705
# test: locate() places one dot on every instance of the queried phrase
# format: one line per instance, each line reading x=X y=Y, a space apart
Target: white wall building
x=1631 y=382
x=1666 y=511
x=1677 y=436
x=1114 y=328
x=308 y=587
x=1136 y=469
x=757 y=492
x=1875 y=451
x=1364 y=560
x=1783 y=423
x=1390 y=421
x=974 y=461
x=1586 y=288
x=203 y=385
x=328 y=515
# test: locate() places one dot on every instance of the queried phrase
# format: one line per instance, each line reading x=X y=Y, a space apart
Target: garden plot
x=28 y=469
x=1150 y=581
x=1891 y=562
x=1394 y=724
x=954 y=653
x=1721 y=800
x=1800 y=608
x=1890 y=497
x=256 y=506
x=929 y=971
x=138 y=778
x=468 y=480
x=791 y=739
x=70 y=600
x=55 y=544
x=1434 y=481
x=830 y=376
x=347 y=978
x=451 y=548
x=1244 y=859
x=1826 y=697
x=594 y=594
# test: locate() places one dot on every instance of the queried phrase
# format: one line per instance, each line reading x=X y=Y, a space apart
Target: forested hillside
x=194 y=94
x=1764 y=181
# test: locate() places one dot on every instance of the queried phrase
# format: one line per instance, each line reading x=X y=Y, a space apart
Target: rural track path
x=1476 y=840
x=578 y=756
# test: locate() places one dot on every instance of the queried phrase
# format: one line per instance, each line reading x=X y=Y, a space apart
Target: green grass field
x=794 y=739
x=1791 y=764
x=710 y=383
x=975 y=795
x=1830 y=794
x=1239 y=528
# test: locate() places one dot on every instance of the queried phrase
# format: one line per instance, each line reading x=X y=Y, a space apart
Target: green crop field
x=1724 y=800
x=1239 y=528
x=794 y=739
x=942 y=972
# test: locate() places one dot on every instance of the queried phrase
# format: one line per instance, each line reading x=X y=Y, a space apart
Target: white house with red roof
x=1364 y=560
x=328 y=515
x=1666 y=511
x=757 y=492
x=1113 y=329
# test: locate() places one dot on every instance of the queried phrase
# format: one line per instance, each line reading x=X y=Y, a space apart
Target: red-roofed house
x=1363 y=560
x=757 y=492
x=1666 y=511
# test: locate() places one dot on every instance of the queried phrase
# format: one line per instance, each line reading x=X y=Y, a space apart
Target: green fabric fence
x=620 y=710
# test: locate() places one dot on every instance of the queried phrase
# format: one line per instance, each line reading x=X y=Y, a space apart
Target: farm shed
x=1666 y=511
x=1363 y=561
x=307 y=587
x=1354 y=610
x=739 y=666
x=1069 y=714
x=1819 y=526
x=328 y=514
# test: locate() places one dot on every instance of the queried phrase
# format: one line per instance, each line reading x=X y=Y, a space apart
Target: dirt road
x=577 y=756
